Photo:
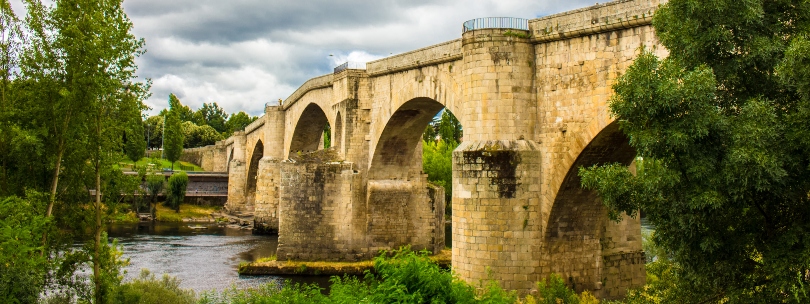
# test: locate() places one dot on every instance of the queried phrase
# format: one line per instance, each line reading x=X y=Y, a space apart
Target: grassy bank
x=270 y=266
x=188 y=212
x=160 y=164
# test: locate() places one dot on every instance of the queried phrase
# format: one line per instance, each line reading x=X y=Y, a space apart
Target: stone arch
x=308 y=133
x=253 y=171
x=337 y=133
x=430 y=82
x=396 y=146
x=578 y=226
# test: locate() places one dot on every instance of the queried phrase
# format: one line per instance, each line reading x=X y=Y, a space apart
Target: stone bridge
x=532 y=99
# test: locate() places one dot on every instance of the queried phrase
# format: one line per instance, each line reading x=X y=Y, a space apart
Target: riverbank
x=188 y=214
x=270 y=266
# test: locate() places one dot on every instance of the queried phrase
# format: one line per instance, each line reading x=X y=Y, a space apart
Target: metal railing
x=350 y=65
x=496 y=22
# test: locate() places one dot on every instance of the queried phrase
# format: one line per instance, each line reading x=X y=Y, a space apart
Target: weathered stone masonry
x=534 y=109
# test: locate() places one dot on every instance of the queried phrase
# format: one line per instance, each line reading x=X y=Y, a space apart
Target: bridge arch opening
x=398 y=150
x=578 y=224
x=253 y=172
x=309 y=131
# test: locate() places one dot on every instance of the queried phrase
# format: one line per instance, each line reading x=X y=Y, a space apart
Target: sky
x=242 y=54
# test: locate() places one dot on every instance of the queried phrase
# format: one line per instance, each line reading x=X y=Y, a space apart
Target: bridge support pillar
x=237 y=175
x=496 y=170
x=268 y=177
x=496 y=224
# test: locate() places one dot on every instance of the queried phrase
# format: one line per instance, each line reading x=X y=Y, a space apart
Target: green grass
x=126 y=164
x=165 y=214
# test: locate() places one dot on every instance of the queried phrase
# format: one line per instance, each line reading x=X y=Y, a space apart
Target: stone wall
x=316 y=209
x=211 y=158
x=496 y=227
x=405 y=213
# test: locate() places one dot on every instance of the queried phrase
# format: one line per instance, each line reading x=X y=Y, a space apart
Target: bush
x=22 y=267
x=177 y=190
x=148 y=289
x=407 y=277
x=555 y=292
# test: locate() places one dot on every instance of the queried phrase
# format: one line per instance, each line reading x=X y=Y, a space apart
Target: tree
x=173 y=134
x=238 y=122
x=184 y=113
x=437 y=163
x=211 y=115
x=135 y=142
x=176 y=192
x=199 y=136
x=721 y=129
x=21 y=229
x=154 y=131
x=449 y=127
x=95 y=42
x=155 y=183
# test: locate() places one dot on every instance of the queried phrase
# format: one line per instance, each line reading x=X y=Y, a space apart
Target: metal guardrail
x=350 y=65
x=496 y=22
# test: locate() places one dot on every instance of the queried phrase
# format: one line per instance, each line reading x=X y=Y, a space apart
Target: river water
x=203 y=259
x=206 y=259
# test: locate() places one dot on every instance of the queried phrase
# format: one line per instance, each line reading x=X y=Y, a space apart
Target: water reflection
x=204 y=259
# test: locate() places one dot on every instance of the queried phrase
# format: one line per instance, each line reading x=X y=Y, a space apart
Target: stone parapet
x=431 y=55
x=600 y=18
x=319 y=82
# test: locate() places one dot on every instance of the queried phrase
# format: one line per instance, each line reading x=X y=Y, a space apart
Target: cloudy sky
x=243 y=53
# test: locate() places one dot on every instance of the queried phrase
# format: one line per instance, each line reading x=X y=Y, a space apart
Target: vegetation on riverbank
x=187 y=212
x=270 y=266
x=157 y=164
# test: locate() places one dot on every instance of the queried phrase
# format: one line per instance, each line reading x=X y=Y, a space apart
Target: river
x=203 y=259
x=206 y=259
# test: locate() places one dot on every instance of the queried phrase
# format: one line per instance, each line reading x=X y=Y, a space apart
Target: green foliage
x=211 y=115
x=407 y=277
x=437 y=163
x=238 y=122
x=450 y=127
x=135 y=146
x=147 y=289
x=721 y=126
x=327 y=136
x=173 y=133
x=21 y=264
x=176 y=191
x=199 y=136
x=155 y=183
x=554 y=291
x=153 y=126
x=429 y=135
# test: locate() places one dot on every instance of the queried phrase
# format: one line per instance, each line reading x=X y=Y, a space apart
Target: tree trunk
x=97 y=240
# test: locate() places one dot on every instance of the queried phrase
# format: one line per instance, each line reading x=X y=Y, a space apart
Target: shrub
x=177 y=190
x=148 y=289
x=555 y=292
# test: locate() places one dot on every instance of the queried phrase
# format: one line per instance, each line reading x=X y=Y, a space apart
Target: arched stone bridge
x=533 y=104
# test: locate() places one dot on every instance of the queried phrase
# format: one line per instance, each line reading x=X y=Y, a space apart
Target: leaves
x=721 y=130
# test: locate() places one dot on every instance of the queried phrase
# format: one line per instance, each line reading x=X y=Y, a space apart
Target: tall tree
x=721 y=127
x=99 y=51
x=135 y=141
x=173 y=132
